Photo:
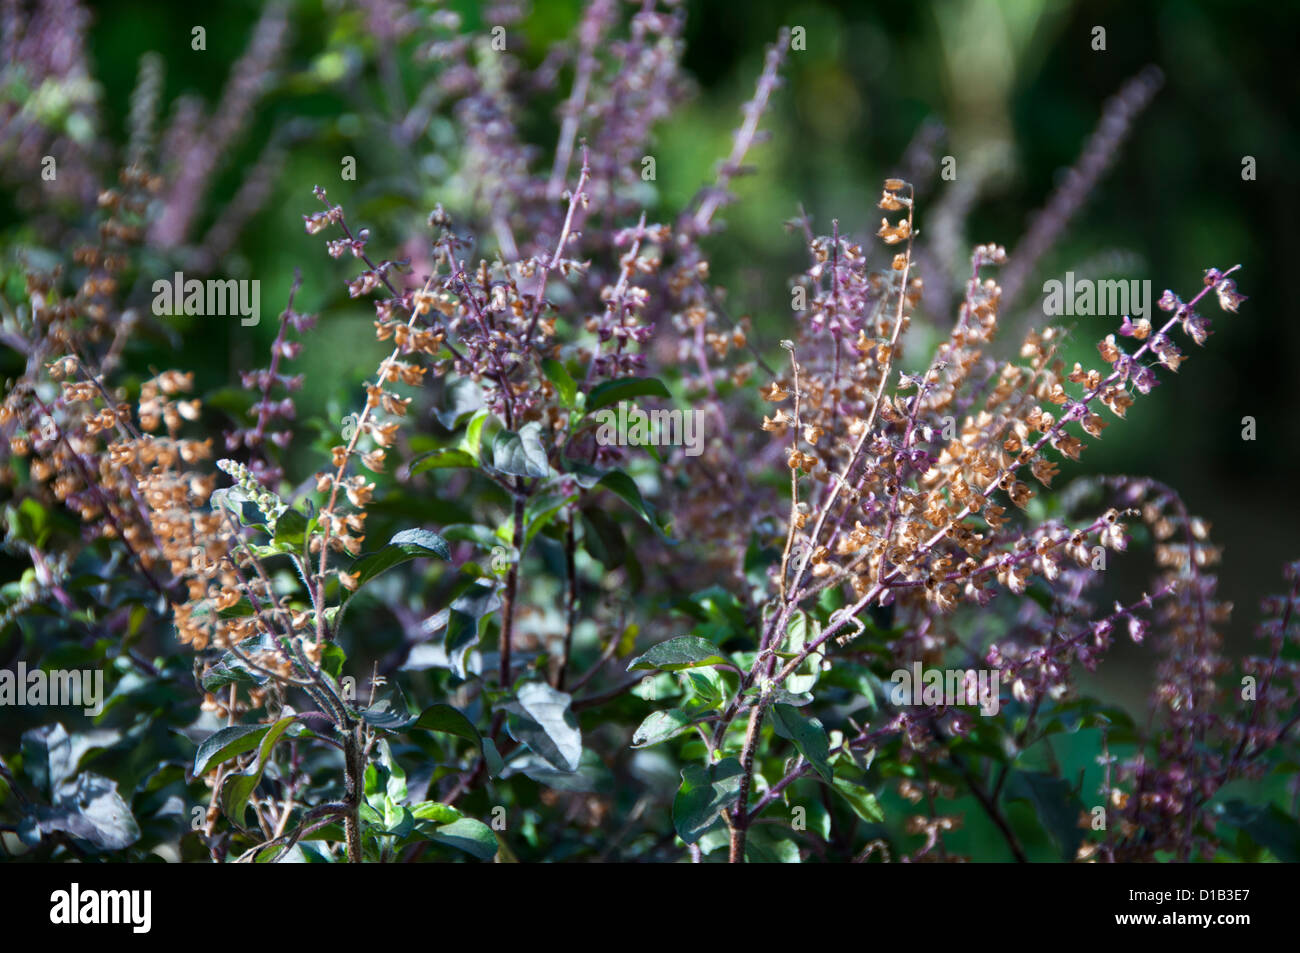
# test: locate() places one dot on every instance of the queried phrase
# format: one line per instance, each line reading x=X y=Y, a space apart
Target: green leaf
x=798 y=635
x=708 y=689
x=540 y=511
x=1079 y=713
x=611 y=392
x=398 y=820
x=441 y=460
x=291 y=529
x=807 y=734
x=1267 y=826
x=230 y=668
x=92 y=811
x=660 y=726
x=471 y=836
x=563 y=381
x=237 y=501
x=237 y=789
x=540 y=718
x=390 y=713
x=472 y=442
x=859 y=681
x=332 y=659
x=297 y=854
x=705 y=793
x=51 y=756
x=862 y=801
x=407 y=545
x=460 y=623
x=474 y=533
x=766 y=846
x=495 y=765
x=227 y=673
x=1055 y=804
x=226 y=744
x=593 y=775
x=395 y=787
x=622 y=486
x=450 y=721
x=461 y=635
x=603 y=538
x=434 y=811
x=29 y=522
x=714 y=838
x=464 y=397
x=715 y=605
x=685 y=651
x=625 y=488
x=781 y=696
x=522 y=453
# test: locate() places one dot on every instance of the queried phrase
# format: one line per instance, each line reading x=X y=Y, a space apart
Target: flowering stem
x=740 y=815
x=354 y=772
x=512 y=586
x=578 y=197
x=570 y=598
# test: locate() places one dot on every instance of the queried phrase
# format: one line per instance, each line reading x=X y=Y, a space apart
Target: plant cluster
x=459 y=624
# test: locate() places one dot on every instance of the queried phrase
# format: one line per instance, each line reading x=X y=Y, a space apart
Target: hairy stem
x=740 y=817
